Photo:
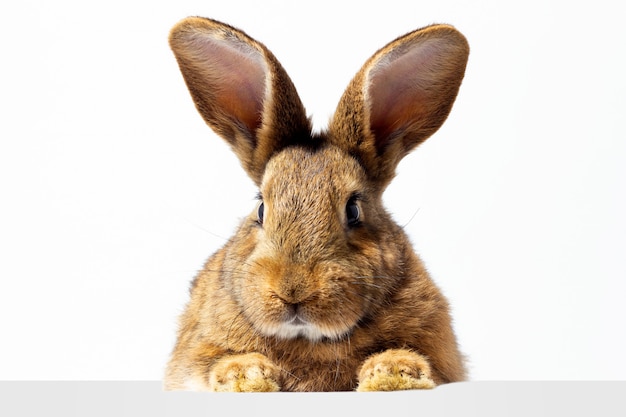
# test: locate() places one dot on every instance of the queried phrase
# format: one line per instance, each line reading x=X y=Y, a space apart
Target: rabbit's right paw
x=251 y=372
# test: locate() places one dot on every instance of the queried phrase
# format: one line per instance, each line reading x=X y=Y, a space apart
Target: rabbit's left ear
x=400 y=97
x=240 y=89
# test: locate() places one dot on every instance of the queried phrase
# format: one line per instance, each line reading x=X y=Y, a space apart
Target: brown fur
x=370 y=316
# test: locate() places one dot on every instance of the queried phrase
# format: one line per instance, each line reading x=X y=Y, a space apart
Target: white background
x=114 y=192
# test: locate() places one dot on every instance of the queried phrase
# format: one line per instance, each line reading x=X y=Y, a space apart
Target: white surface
x=114 y=191
x=480 y=399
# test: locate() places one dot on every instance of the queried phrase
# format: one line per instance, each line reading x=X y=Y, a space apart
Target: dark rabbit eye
x=260 y=212
x=353 y=213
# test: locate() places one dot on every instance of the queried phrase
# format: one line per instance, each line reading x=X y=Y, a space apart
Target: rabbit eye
x=260 y=212
x=353 y=213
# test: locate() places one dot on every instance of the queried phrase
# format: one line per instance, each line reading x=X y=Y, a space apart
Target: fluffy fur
x=323 y=292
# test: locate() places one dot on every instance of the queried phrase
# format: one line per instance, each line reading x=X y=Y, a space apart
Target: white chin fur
x=308 y=331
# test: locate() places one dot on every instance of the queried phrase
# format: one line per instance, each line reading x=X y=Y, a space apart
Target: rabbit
x=318 y=289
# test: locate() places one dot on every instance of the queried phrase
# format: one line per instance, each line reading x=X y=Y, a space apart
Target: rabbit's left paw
x=395 y=369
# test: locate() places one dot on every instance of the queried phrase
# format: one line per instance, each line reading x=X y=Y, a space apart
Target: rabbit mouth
x=297 y=321
x=298 y=327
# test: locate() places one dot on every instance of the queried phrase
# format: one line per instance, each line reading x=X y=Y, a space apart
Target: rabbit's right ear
x=240 y=89
x=400 y=97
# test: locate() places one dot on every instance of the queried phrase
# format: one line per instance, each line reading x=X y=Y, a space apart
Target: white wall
x=113 y=191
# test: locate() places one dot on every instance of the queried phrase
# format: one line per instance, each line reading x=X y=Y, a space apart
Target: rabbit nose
x=293 y=294
x=292 y=298
x=293 y=285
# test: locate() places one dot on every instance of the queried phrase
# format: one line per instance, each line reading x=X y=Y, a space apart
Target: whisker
x=411 y=219
x=389 y=277
x=369 y=284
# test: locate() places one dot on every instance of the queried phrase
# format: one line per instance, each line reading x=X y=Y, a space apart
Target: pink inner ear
x=236 y=74
x=402 y=89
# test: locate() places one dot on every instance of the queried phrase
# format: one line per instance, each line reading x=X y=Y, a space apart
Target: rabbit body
x=319 y=289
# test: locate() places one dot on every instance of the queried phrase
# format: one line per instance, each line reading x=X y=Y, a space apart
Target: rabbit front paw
x=251 y=372
x=395 y=369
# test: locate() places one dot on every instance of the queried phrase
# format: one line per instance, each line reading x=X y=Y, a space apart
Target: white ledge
x=551 y=398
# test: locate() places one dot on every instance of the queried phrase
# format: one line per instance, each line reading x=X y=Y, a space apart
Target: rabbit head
x=318 y=256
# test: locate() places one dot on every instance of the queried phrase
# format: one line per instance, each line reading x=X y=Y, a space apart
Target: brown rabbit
x=319 y=289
